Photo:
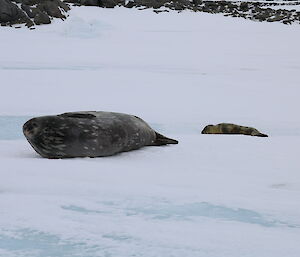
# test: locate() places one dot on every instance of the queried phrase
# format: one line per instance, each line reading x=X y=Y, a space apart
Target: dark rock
x=276 y=18
x=235 y=14
x=231 y=5
x=41 y=18
x=108 y=3
x=31 y=11
x=211 y=7
x=28 y=10
x=29 y=23
x=63 y=5
x=261 y=16
x=244 y=7
x=177 y=6
x=90 y=2
x=10 y=12
x=35 y=11
x=51 y=8
x=29 y=2
x=41 y=11
x=156 y=4
x=287 y=21
x=130 y=4
x=197 y=2
x=159 y=11
x=72 y=1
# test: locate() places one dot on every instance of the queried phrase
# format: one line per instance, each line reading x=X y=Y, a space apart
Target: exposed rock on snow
x=31 y=12
x=41 y=12
x=41 y=18
x=10 y=12
x=257 y=11
x=100 y=3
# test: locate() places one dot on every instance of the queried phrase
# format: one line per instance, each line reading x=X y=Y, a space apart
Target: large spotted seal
x=90 y=134
x=228 y=128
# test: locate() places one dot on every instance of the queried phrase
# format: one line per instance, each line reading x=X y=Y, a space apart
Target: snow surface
x=209 y=196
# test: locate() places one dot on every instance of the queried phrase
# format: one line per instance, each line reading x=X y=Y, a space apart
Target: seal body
x=90 y=134
x=228 y=128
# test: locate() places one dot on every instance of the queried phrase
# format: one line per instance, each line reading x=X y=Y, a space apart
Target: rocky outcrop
x=39 y=12
x=99 y=3
x=10 y=12
x=257 y=11
x=31 y=12
x=41 y=18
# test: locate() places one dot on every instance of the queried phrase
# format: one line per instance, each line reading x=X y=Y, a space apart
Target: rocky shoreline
x=31 y=12
x=37 y=12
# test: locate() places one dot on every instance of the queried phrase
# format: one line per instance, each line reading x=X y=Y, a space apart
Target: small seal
x=90 y=134
x=228 y=128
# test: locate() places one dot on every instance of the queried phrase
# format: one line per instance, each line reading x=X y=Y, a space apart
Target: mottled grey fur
x=90 y=134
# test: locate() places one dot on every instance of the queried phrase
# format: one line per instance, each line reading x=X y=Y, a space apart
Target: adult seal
x=228 y=128
x=90 y=134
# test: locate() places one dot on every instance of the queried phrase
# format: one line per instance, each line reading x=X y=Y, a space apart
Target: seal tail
x=256 y=133
x=162 y=140
x=261 y=135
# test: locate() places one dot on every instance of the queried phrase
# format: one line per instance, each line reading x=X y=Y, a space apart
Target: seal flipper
x=162 y=140
x=260 y=135
x=256 y=133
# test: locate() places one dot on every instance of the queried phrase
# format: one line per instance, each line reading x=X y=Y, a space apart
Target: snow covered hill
x=209 y=196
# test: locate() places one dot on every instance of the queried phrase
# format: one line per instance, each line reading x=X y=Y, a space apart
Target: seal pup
x=228 y=128
x=90 y=134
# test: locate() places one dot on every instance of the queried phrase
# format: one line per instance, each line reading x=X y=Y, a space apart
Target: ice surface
x=11 y=127
x=208 y=196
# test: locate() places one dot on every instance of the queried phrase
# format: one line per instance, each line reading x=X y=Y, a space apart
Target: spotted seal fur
x=228 y=128
x=90 y=134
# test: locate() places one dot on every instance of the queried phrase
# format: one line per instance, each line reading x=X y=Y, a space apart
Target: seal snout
x=30 y=128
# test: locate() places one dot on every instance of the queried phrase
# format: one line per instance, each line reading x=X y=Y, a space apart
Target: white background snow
x=209 y=196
